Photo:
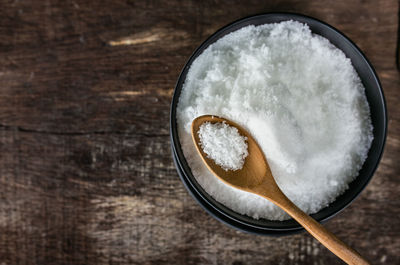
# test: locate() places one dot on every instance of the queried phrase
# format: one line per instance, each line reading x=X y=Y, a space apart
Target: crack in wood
x=21 y=129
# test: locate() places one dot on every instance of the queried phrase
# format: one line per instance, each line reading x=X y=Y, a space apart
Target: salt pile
x=223 y=144
x=299 y=97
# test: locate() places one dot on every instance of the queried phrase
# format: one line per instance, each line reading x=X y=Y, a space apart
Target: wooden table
x=86 y=174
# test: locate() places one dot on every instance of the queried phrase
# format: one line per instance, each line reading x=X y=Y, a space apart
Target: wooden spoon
x=256 y=177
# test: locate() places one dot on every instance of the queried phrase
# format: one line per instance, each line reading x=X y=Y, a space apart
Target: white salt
x=223 y=144
x=299 y=97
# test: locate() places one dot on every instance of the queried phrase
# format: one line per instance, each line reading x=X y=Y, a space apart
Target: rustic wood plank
x=86 y=175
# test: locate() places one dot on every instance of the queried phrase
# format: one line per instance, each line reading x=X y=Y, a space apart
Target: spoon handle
x=329 y=240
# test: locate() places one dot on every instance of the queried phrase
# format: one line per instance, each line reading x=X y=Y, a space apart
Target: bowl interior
x=378 y=116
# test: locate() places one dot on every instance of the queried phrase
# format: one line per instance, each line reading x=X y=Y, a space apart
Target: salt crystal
x=223 y=144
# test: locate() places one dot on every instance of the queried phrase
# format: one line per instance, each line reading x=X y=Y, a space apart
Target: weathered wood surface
x=86 y=175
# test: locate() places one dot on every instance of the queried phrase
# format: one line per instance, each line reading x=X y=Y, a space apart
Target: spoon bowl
x=255 y=167
x=256 y=177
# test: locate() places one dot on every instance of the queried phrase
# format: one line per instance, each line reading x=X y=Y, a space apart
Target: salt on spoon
x=255 y=176
x=223 y=144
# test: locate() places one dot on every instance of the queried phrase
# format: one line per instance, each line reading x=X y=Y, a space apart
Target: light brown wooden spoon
x=256 y=177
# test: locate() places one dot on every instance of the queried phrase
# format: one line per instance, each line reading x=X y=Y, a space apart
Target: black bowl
x=375 y=99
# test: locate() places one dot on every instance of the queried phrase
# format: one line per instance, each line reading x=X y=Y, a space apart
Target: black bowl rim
x=179 y=157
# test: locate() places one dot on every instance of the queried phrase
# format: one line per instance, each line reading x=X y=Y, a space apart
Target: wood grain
x=86 y=174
